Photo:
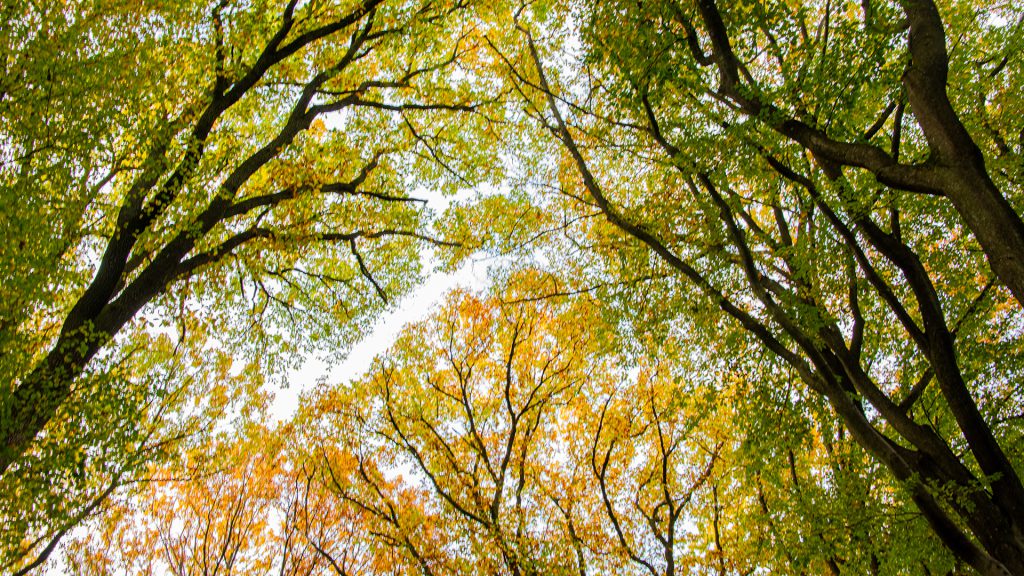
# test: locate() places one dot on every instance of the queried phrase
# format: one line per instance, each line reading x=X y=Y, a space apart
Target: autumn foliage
x=754 y=293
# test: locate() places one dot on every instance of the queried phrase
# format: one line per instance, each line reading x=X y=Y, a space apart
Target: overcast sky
x=416 y=306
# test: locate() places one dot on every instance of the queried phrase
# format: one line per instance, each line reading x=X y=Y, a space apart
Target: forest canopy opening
x=755 y=305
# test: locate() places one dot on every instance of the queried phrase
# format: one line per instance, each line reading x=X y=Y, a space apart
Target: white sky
x=414 y=307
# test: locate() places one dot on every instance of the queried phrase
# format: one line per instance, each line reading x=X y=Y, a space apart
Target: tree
x=229 y=159
x=253 y=161
x=470 y=400
x=865 y=293
x=649 y=464
x=461 y=441
x=224 y=507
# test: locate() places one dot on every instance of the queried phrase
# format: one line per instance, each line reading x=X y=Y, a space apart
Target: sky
x=414 y=307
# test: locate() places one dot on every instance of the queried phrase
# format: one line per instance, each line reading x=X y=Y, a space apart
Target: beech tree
x=470 y=400
x=254 y=163
x=233 y=158
x=704 y=139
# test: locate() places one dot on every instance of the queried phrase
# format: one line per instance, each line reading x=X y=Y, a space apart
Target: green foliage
x=236 y=177
x=755 y=297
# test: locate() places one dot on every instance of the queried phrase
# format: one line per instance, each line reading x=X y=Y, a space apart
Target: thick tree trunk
x=37 y=398
x=88 y=328
x=40 y=394
x=965 y=179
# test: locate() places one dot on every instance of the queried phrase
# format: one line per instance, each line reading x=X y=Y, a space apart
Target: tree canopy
x=755 y=300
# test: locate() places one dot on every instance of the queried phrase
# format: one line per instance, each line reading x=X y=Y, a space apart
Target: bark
x=957 y=171
x=956 y=168
x=966 y=181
